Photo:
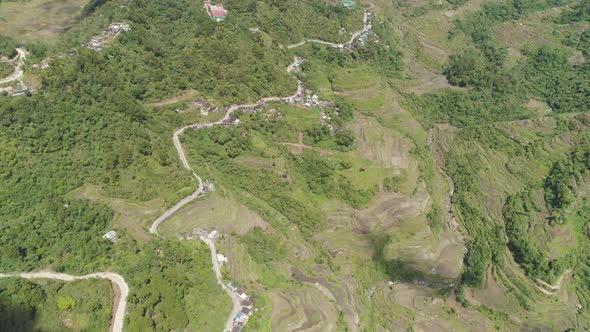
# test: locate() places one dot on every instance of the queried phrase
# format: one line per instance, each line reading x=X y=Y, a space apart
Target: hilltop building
x=216 y=12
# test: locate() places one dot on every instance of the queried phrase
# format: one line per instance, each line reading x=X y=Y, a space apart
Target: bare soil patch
x=38 y=19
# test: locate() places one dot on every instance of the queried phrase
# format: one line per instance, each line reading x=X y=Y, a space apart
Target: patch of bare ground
x=255 y=162
x=302 y=309
x=427 y=79
x=376 y=144
x=577 y=59
x=389 y=208
x=492 y=294
x=538 y=107
x=519 y=34
x=188 y=95
x=214 y=212
x=442 y=136
x=342 y=293
x=431 y=313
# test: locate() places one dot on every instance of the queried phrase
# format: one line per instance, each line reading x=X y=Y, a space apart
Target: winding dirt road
x=118 y=280
x=199 y=191
x=353 y=36
x=18 y=70
x=236 y=302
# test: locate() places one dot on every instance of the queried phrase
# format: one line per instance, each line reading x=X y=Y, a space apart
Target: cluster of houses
x=366 y=36
x=241 y=318
x=109 y=33
x=216 y=12
x=307 y=98
x=368 y=33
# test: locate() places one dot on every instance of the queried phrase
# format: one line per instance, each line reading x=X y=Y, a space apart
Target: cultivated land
x=392 y=203
x=38 y=20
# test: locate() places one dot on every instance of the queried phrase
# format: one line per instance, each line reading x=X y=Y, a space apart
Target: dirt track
x=18 y=70
x=224 y=120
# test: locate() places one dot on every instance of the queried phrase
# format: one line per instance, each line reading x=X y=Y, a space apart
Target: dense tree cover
x=8 y=46
x=321 y=178
x=579 y=41
x=53 y=143
x=560 y=185
x=564 y=88
x=55 y=305
x=520 y=213
x=294 y=21
x=176 y=46
x=67 y=237
x=173 y=288
x=579 y=12
x=496 y=93
x=92 y=5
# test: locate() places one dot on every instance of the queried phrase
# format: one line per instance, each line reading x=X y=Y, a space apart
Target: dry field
x=38 y=20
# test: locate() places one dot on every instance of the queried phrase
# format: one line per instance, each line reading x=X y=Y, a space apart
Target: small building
x=245 y=311
x=347 y=3
x=221 y=259
x=216 y=12
x=242 y=293
x=111 y=236
x=19 y=91
x=247 y=304
x=233 y=285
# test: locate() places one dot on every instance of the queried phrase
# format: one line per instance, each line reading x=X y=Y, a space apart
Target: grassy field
x=6 y=69
x=38 y=20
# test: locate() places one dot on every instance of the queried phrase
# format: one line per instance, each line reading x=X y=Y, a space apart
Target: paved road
x=352 y=37
x=118 y=319
x=18 y=70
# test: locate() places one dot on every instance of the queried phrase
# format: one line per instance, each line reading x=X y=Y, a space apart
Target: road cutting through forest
x=17 y=75
x=116 y=279
x=224 y=120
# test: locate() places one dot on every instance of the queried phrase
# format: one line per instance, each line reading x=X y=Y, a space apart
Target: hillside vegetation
x=442 y=184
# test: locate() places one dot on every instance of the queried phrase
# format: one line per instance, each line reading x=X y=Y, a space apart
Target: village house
x=242 y=293
x=347 y=3
x=216 y=12
x=111 y=236
x=247 y=304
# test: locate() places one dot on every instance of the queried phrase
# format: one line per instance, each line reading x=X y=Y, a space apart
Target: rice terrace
x=310 y=165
